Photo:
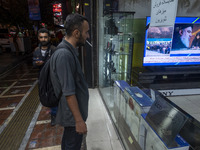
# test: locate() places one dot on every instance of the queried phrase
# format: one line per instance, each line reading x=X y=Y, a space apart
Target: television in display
x=173 y=45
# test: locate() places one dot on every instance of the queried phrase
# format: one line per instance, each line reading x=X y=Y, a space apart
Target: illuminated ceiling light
x=78 y=6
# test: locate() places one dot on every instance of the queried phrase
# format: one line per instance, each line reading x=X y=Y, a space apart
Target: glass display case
x=115 y=56
x=118 y=47
x=143 y=118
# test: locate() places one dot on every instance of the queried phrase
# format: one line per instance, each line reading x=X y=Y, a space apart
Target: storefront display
x=165 y=127
x=137 y=104
x=118 y=47
x=119 y=87
x=166 y=119
x=161 y=126
x=115 y=63
x=152 y=141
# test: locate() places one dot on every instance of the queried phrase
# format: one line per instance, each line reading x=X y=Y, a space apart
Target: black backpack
x=46 y=91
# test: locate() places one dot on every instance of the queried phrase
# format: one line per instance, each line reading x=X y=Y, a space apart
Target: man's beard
x=80 y=44
x=44 y=43
x=185 y=41
x=80 y=41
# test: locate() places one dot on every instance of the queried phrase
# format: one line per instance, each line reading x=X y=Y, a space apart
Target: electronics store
x=149 y=76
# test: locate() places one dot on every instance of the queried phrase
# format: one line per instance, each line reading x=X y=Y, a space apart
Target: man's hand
x=81 y=127
x=39 y=62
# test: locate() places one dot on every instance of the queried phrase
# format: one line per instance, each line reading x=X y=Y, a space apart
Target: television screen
x=177 y=45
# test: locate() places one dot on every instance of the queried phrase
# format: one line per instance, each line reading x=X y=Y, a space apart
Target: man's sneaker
x=53 y=120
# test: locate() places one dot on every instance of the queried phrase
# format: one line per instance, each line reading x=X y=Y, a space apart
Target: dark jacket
x=37 y=55
x=66 y=74
x=178 y=44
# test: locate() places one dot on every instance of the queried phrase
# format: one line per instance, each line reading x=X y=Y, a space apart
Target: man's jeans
x=84 y=144
x=54 y=110
x=71 y=140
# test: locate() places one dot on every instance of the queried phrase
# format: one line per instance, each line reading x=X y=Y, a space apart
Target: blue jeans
x=54 y=110
x=71 y=140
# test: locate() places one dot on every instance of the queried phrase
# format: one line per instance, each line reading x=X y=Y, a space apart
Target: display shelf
x=167 y=79
x=118 y=47
x=151 y=140
x=145 y=119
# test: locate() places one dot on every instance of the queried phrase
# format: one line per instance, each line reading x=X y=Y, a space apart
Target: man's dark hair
x=179 y=27
x=74 y=21
x=43 y=30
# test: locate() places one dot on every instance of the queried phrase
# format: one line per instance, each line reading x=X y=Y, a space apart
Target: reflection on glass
x=165 y=119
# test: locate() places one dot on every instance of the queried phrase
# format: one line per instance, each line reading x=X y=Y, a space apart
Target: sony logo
x=167 y=93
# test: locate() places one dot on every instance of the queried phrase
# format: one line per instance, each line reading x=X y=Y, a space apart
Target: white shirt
x=43 y=52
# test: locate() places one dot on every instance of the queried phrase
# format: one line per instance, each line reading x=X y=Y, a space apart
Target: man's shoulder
x=62 y=51
x=64 y=48
x=64 y=45
x=64 y=55
x=37 y=49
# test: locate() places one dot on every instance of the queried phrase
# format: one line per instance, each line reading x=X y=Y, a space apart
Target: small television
x=173 y=45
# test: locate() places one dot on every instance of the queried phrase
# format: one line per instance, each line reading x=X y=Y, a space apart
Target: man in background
x=182 y=35
x=41 y=54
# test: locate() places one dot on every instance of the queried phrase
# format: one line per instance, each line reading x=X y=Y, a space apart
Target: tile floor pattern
x=101 y=134
x=43 y=134
x=15 y=86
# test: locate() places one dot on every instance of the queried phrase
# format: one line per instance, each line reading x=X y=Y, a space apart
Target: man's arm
x=73 y=106
x=36 y=59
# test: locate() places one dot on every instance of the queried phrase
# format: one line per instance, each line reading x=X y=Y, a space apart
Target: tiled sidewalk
x=101 y=133
x=15 y=87
x=44 y=135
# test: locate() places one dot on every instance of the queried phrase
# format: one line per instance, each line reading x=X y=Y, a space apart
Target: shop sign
x=34 y=10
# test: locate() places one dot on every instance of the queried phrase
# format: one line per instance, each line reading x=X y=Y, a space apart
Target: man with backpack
x=40 y=56
x=68 y=79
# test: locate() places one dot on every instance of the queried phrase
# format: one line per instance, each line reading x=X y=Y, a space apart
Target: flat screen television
x=173 y=46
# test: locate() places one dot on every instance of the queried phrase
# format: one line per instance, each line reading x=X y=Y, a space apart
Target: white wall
x=142 y=8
